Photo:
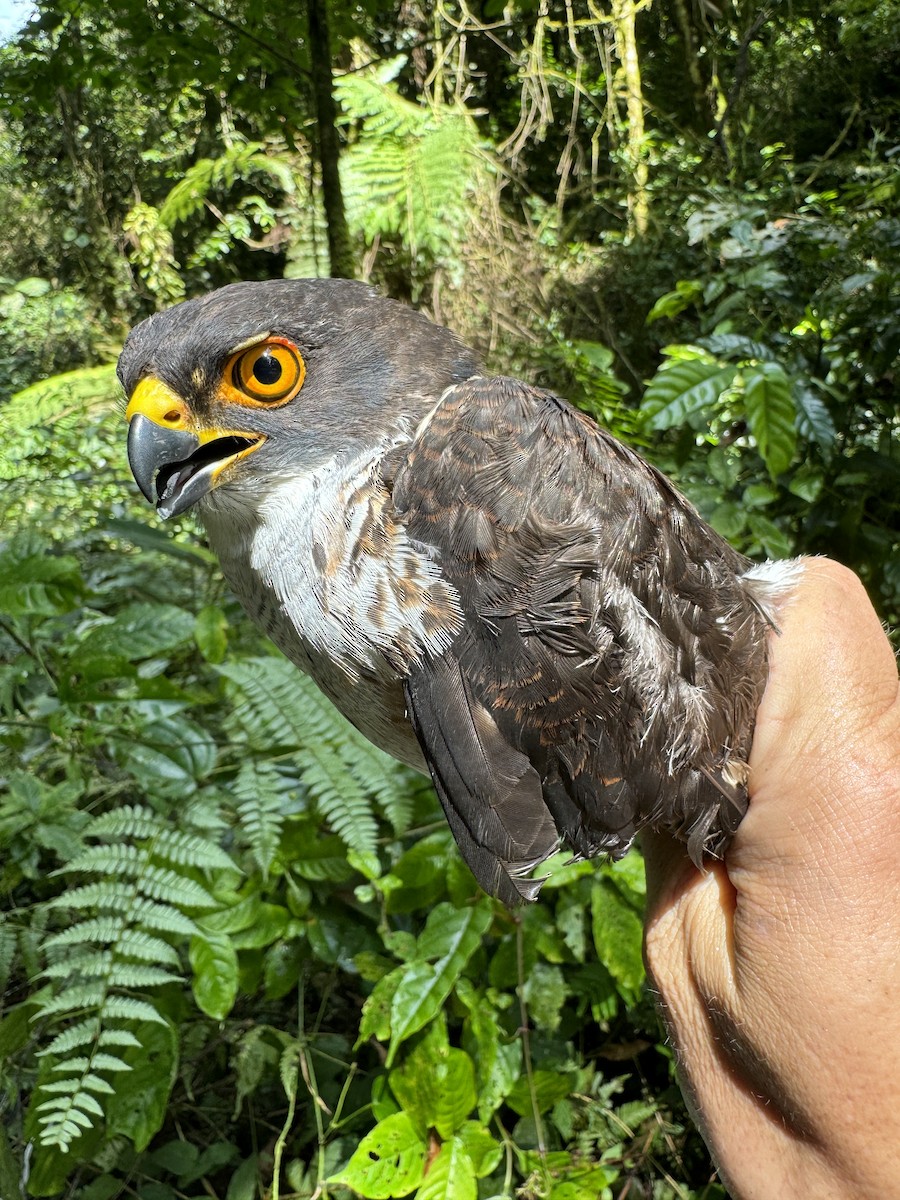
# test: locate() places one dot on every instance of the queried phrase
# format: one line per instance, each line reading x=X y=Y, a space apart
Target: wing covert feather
x=608 y=639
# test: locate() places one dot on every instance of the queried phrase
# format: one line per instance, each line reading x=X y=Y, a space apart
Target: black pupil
x=267 y=369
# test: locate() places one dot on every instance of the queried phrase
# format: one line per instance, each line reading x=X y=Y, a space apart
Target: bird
x=490 y=586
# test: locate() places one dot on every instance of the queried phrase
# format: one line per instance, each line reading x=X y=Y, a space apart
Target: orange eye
x=271 y=373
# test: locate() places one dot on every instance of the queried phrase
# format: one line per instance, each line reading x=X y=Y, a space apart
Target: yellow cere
x=155 y=400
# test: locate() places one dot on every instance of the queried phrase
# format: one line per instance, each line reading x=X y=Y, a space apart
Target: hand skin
x=778 y=970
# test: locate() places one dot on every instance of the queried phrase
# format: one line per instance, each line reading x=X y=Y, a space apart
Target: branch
x=249 y=37
x=833 y=148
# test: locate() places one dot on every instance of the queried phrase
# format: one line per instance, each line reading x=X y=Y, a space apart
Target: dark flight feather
x=611 y=659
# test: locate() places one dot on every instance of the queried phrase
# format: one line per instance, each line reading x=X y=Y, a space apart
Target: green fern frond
x=82 y=1034
x=121 y=860
x=129 y=821
x=117 y=1037
x=105 y=895
x=382 y=777
x=94 y=929
x=190 y=850
x=338 y=797
x=153 y=251
x=412 y=168
x=71 y=395
x=89 y=1081
x=99 y=1062
x=278 y=710
x=146 y=947
x=319 y=857
x=281 y=707
x=91 y=963
x=173 y=845
x=161 y=883
x=74 y=999
x=138 y=975
x=240 y=161
x=162 y=918
x=258 y=789
x=115 y=949
x=129 y=1009
x=115 y=972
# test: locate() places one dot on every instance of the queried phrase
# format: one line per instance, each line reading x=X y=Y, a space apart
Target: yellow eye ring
x=271 y=373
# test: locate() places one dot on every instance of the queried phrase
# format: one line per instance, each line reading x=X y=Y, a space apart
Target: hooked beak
x=173 y=464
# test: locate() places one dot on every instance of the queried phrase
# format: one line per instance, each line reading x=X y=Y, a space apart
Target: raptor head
x=259 y=381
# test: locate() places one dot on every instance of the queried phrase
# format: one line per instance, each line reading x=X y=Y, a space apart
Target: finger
x=770 y=970
x=825 y=763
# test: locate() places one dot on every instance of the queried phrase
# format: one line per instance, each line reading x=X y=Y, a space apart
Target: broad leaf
x=774 y=541
x=618 y=933
x=423 y=988
x=771 y=415
x=813 y=418
x=215 y=966
x=686 y=387
x=451 y=1176
x=436 y=1086
x=141 y=1099
x=389 y=1161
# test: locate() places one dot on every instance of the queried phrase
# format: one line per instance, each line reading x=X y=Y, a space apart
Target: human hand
x=779 y=969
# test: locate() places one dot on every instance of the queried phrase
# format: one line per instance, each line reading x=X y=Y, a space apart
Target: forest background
x=239 y=954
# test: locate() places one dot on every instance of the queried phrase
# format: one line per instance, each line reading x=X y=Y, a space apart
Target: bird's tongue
x=181 y=484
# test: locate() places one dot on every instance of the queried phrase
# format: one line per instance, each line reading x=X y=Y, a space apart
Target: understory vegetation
x=240 y=955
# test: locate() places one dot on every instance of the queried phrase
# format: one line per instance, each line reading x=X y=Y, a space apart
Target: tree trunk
x=682 y=16
x=623 y=14
x=340 y=253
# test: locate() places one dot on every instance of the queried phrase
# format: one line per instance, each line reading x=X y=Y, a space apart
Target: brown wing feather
x=608 y=639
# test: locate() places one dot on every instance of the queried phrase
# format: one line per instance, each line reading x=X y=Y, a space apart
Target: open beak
x=173 y=462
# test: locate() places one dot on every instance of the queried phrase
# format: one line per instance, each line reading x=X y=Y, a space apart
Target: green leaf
x=545 y=993
x=141 y=1100
x=436 y=1086
x=422 y=871
x=771 y=415
x=807 y=483
x=451 y=1176
x=585 y=1183
x=759 y=495
x=389 y=1161
x=685 y=387
x=417 y=999
x=483 y=1149
x=544 y=1090
x=243 y=1184
x=10 y=1172
x=172 y=750
x=33 y=287
x=728 y=518
x=16 y=1029
x=141 y=630
x=269 y=924
x=214 y=962
x=814 y=421
x=450 y=930
x=151 y=537
x=736 y=345
x=687 y=292
x=376 y=1014
x=498 y=1060
x=422 y=990
x=618 y=934
x=210 y=633
x=773 y=540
